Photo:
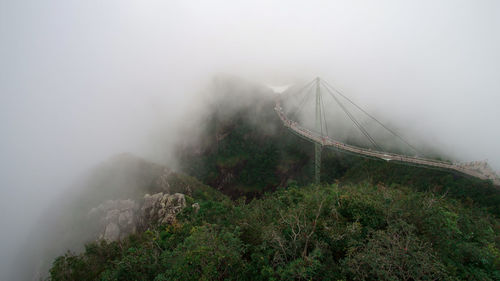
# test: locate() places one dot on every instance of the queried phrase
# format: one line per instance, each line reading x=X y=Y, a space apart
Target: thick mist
x=83 y=80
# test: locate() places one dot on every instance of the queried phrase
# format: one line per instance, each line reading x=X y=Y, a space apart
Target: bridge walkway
x=329 y=142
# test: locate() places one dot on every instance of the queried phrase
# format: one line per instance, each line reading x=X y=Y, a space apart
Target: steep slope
x=69 y=223
x=354 y=232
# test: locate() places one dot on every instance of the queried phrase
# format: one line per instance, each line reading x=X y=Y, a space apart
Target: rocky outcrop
x=120 y=218
x=196 y=207
x=162 y=208
x=117 y=218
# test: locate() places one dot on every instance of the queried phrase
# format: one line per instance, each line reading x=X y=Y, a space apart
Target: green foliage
x=370 y=220
x=207 y=254
x=467 y=189
x=327 y=232
x=256 y=154
x=87 y=266
x=396 y=253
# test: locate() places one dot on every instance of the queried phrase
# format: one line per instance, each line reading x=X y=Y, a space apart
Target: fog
x=83 y=80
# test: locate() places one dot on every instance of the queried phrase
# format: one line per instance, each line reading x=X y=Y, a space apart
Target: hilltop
x=240 y=206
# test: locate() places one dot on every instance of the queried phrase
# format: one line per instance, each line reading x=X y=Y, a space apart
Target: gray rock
x=126 y=218
x=126 y=204
x=112 y=232
x=196 y=207
x=119 y=218
x=162 y=208
x=112 y=215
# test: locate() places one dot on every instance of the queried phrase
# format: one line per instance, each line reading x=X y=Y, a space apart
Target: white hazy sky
x=81 y=80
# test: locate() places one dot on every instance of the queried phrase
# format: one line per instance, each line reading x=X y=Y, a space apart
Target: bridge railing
x=327 y=141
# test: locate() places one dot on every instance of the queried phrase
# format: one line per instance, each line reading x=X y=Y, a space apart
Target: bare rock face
x=162 y=208
x=120 y=218
x=196 y=207
x=112 y=232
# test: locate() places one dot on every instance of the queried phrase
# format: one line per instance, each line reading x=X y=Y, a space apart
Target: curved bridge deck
x=328 y=142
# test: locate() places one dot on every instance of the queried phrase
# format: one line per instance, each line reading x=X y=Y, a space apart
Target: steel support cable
x=353 y=119
x=304 y=101
x=324 y=114
x=300 y=90
x=360 y=127
x=318 y=108
x=375 y=119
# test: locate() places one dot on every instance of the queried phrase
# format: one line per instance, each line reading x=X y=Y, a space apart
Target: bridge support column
x=319 y=129
x=317 y=162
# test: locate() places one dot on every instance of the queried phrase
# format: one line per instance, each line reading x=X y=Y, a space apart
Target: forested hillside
x=256 y=216
x=319 y=232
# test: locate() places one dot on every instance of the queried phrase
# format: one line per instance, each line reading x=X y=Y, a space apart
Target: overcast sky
x=82 y=80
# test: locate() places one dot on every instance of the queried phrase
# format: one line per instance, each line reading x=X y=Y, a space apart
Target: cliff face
x=119 y=218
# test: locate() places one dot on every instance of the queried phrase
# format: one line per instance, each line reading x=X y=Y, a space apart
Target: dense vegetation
x=262 y=220
x=471 y=191
x=327 y=232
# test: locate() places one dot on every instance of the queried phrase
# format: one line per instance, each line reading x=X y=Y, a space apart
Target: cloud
x=82 y=80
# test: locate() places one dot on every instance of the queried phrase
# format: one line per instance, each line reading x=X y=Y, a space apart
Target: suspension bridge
x=321 y=138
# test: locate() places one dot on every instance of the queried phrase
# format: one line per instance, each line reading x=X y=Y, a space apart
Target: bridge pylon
x=321 y=137
x=319 y=128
